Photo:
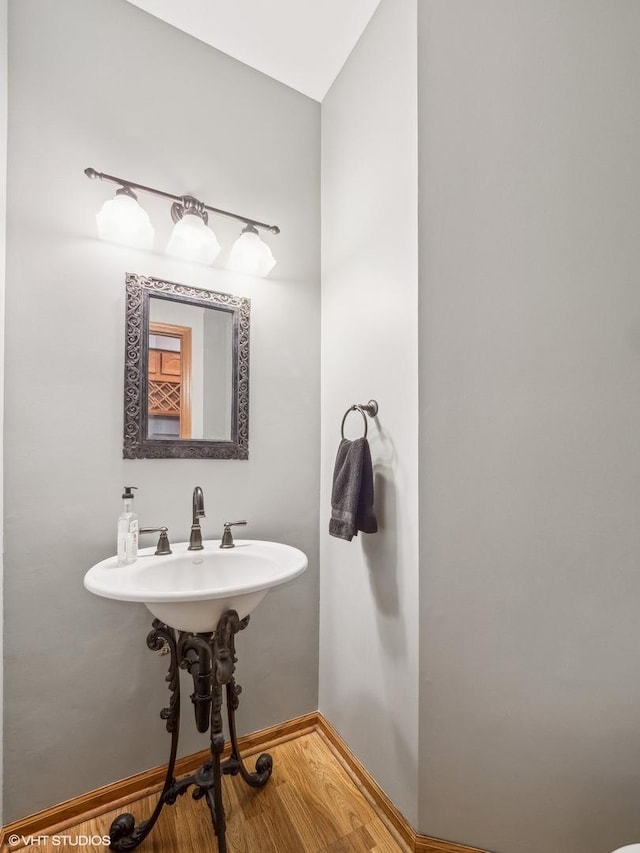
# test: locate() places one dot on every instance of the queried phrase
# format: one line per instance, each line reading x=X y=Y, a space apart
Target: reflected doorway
x=169 y=397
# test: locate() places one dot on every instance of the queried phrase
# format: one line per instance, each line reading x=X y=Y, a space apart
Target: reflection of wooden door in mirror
x=169 y=396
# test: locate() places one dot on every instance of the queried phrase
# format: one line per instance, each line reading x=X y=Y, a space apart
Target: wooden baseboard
x=424 y=844
x=367 y=784
x=118 y=794
x=394 y=819
x=136 y=787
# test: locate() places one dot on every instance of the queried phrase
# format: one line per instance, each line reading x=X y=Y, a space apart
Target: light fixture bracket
x=188 y=204
x=125 y=190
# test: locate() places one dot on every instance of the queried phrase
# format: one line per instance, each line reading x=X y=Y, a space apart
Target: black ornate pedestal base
x=210 y=659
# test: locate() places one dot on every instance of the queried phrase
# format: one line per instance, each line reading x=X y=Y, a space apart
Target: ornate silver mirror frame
x=137 y=443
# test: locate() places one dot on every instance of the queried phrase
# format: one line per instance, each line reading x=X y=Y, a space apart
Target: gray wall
x=369 y=587
x=530 y=469
x=100 y=83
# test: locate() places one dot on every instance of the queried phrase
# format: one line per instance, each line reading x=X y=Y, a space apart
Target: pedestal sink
x=201 y=599
x=190 y=590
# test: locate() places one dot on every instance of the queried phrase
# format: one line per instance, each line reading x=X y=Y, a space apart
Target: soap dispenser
x=127 y=530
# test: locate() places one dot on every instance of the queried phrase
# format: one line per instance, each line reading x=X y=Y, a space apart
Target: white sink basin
x=190 y=590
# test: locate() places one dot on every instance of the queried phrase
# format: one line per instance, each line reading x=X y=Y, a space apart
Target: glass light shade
x=122 y=220
x=192 y=240
x=250 y=255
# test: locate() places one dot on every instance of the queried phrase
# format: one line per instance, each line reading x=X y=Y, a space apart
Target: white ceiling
x=303 y=43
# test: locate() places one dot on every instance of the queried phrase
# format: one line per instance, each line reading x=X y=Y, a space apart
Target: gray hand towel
x=352 y=492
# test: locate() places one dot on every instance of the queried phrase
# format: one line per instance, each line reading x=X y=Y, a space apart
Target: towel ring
x=370 y=408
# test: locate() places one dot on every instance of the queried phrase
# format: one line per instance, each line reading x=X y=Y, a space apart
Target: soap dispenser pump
x=127 y=530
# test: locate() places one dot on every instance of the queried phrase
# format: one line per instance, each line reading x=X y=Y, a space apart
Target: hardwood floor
x=310 y=805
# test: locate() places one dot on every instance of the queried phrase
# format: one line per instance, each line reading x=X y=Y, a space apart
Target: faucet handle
x=227 y=538
x=163 y=542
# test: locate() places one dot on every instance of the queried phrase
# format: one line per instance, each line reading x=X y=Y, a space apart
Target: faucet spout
x=198 y=504
x=195 y=540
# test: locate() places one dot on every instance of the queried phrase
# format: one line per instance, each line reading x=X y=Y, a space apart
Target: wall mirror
x=186 y=390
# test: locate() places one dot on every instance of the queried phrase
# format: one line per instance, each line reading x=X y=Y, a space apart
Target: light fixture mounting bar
x=92 y=173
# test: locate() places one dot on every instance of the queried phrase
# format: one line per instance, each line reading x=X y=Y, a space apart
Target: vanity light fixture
x=192 y=239
x=250 y=255
x=123 y=220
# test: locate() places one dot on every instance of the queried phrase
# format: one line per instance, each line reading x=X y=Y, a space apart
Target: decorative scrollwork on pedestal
x=195 y=654
x=228 y=627
x=157 y=639
x=210 y=658
x=123 y=833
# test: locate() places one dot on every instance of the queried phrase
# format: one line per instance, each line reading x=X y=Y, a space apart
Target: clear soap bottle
x=127 y=530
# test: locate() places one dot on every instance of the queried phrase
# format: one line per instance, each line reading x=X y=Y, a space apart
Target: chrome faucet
x=195 y=540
